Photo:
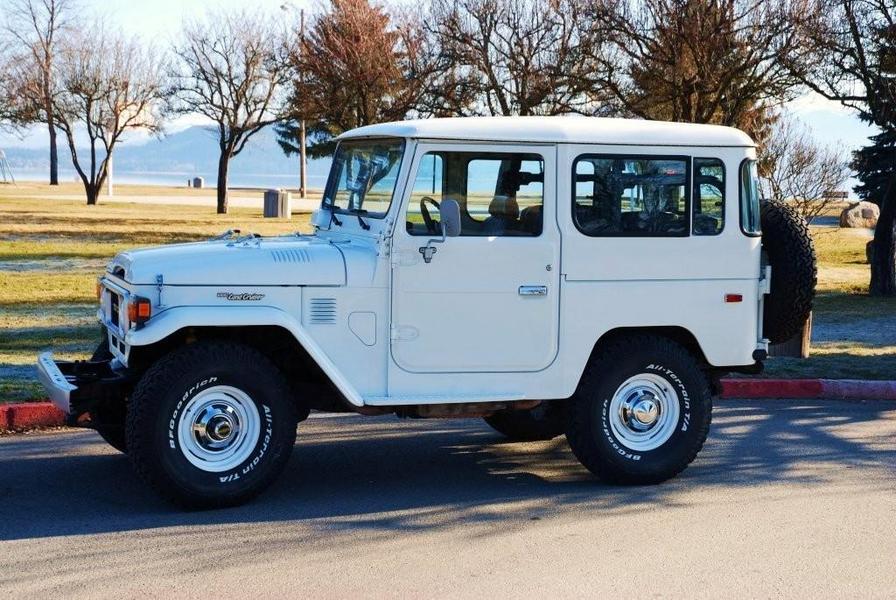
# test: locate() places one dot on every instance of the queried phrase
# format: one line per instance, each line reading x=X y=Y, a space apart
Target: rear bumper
x=79 y=387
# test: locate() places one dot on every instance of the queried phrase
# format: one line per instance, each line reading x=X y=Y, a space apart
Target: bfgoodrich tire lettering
x=642 y=411
x=239 y=411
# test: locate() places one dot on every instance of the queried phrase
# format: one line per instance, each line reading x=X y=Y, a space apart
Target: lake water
x=234 y=180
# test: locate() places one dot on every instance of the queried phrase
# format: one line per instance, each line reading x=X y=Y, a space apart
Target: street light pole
x=303 y=166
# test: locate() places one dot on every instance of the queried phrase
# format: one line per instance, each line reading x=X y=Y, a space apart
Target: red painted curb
x=14 y=417
x=829 y=389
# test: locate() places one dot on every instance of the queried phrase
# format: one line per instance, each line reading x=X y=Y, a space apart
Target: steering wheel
x=432 y=226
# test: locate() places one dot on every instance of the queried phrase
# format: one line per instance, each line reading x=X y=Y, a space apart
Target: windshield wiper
x=359 y=212
x=333 y=216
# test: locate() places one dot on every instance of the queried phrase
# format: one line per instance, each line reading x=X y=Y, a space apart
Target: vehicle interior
x=500 y=194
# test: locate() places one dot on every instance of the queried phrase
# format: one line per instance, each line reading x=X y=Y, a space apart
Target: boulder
x=860 y=214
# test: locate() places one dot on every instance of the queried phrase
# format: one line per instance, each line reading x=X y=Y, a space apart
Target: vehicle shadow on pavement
x=385 y=475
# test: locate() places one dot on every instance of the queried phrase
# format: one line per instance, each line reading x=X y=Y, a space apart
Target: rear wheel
x=211 y=424
x=544 y=422
x=642 y=411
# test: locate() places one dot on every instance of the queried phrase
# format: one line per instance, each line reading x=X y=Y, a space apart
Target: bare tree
x=700 y=61
x=855 y=64
x=107 y=85
x=34 y=29
x=356 y=65
x=798 y=169
x=232 y=69
x=510 y=57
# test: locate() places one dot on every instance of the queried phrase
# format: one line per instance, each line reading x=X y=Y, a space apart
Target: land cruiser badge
x=244 y=297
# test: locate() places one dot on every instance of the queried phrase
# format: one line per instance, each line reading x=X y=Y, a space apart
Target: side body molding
x=174 y=319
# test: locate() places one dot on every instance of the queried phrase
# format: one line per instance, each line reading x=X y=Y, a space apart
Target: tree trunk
x=54 y=154
x=223 y=166
x=883 y=259
x=93 y=191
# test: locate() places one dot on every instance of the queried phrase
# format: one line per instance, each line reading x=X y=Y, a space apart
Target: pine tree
x=875 y=165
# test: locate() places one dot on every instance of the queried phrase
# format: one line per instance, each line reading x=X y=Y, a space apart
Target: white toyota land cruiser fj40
x=593 y=277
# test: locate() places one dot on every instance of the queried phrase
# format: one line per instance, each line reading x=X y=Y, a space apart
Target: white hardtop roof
x=569 y=129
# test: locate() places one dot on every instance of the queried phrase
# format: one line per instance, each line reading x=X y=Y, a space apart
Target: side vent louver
x=290 y=255
x=322 y=311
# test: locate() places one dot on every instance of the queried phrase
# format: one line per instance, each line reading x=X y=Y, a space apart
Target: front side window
x=363 y=177
x=749 y=198
x=709 y=196
x=631 y=196
x=500 y=194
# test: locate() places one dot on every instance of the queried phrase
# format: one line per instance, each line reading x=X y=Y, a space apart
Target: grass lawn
x=52 y=250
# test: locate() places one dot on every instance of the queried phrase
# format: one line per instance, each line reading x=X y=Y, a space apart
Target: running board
x=426 y=400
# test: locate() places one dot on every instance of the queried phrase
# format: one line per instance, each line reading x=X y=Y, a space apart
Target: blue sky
x=160 y=20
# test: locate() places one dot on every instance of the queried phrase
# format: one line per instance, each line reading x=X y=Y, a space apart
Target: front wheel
x=642 y=411
x=212 y=424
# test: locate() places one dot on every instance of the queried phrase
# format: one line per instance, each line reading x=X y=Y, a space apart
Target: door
x=487 y=300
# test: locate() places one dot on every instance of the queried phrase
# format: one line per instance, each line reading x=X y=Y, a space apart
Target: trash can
x=278 y=204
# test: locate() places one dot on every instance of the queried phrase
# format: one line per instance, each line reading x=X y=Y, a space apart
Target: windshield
x=363 y=176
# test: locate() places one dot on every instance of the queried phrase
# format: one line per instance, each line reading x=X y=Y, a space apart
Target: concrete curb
x=30 y=415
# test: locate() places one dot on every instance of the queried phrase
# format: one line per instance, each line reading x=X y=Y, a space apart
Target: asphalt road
x=789 y=498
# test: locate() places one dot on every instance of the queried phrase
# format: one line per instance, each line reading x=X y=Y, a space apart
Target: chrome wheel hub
x=644 y=412
x=218 y=428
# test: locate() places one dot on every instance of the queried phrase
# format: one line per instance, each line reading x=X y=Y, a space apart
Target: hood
x=288 y=260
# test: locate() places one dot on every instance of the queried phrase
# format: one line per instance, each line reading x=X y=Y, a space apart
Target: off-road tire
x=544 y=422
x=791 y=254
x=591 y=435
x=170 y=384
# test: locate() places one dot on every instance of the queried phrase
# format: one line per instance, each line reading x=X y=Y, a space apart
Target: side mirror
x=449 y=212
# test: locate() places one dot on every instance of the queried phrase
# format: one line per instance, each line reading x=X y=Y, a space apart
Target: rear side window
x=749 y=198
x=709 y=196
x=632 y=196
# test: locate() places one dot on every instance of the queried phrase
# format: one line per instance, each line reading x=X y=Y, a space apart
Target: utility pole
x=303 y=166
x=303 y=161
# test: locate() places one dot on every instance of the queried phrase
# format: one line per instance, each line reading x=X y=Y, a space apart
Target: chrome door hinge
x=403 y=333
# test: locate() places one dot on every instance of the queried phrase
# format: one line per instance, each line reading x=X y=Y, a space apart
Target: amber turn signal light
x=139 y=310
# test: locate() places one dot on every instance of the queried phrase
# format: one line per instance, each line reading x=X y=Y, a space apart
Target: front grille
x=114 y=305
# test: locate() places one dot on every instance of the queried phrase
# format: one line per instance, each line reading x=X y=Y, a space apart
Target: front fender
x=174 y=319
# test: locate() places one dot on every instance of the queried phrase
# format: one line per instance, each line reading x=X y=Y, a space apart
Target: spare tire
x=791 y=254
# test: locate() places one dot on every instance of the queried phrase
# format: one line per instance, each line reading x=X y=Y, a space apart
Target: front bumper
x=55 y=382
x=80 y=387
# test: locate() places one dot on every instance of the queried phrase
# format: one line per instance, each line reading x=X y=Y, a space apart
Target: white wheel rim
x=218 y=428
x=644 y=412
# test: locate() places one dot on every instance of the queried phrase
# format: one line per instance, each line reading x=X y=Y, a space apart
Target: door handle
x=533 y=290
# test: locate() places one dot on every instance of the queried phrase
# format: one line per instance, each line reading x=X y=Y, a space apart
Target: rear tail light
x=139 y=310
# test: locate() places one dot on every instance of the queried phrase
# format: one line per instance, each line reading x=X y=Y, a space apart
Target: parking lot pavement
x=788 y=498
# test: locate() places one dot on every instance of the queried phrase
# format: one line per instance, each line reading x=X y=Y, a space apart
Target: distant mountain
x=193 y=151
